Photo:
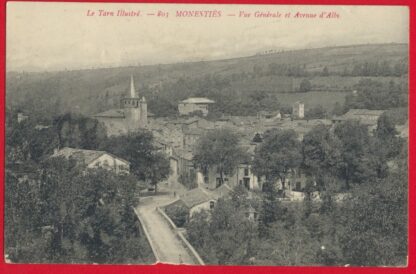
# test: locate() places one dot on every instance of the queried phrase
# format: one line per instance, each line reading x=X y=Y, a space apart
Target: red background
x=162 y=268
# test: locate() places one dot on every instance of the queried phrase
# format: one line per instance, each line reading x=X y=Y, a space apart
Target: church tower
x=135 y=109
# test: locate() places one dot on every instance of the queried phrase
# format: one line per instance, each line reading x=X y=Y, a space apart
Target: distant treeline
x=242 y=91
x=371 y=94
x=384 y=68
x=375 y=69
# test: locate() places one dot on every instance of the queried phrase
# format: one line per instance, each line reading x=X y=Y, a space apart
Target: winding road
x=165 y=241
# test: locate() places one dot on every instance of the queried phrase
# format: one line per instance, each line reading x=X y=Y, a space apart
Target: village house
x=195 y=200
x=197 y=122
x=167 y=130
x=94 y=159
x=191 y=129
x=176 y=164
x=294 y=181
x=298 y=110
x=191 y=137
x=366 y=117
x=403 y=130
x=198 y=199
x=182 y=163
x=269 y=115
x=131 y=117
x=243 y=175
x=21 y=117
x=194 y=105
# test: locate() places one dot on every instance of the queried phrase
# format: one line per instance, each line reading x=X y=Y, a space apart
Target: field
x=314 y=98
x=92 y=90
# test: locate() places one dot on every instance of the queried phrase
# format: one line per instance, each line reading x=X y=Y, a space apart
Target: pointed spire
x=132 y=90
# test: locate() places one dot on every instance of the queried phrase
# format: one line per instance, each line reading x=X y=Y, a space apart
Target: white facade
x=242 y=176
x=191 y=105
x=111 y=163
x=298 y=110
x=94 y=159
x=208 y=205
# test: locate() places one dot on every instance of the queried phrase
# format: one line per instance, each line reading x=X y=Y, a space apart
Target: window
x=247 y=183
x=246 y=172
x=219 y=182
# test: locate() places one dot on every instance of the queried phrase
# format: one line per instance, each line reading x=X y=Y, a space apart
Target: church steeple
x=135 y=109
x=132 y=90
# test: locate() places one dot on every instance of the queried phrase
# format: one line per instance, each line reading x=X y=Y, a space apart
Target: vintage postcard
x=264 y=135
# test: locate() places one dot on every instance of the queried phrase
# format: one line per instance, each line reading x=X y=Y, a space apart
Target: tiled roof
x=198 y=100
x=364 y=112
x=80 y=155
x=359 y=114
x=195 y=197
x=114 y=113
x=181 y=153
x=222 y=191
x=269 y=112
x=193 y=131
x=84 y=156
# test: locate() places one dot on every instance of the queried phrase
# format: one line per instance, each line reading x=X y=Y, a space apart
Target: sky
x=43 y=36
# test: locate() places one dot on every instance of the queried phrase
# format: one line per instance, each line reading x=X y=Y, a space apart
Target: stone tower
x=135 y=109
x=298 y=110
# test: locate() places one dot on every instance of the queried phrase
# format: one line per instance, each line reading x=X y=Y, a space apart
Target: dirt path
x=166 y=243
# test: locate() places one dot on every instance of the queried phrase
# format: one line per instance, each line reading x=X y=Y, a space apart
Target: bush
x=178 y=214
x=305 y=86
x=188 y=179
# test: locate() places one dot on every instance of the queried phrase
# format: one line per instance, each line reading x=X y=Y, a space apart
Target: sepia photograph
x=202 y=134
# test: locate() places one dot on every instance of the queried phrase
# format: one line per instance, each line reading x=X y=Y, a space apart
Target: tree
x=178 y=214
x=27 y=142
x=385 y=128
x=305 y=86
x=321 y=153
x=279 y=153
x=257 y=70
x=373 y=94
x=257 y=138
x=338 y=110
x=374 y=221
x=325 y=71
x=75 y=130
x=287 y=247
x=146 y=162
x=188 y=179
x=317 y=112
x=219 y=149
x=387 y=144
x=272 y=210
x=224 y=236
x=358 y=165
x=197 y=231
